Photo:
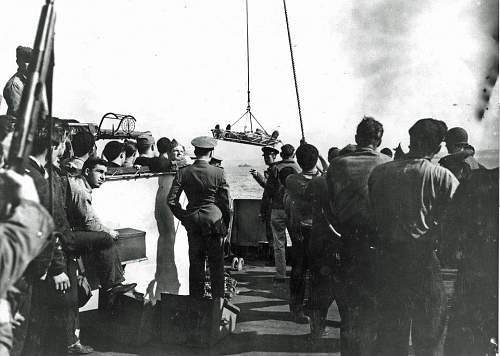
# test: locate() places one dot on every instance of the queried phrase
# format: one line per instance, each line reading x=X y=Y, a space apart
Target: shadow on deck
x=264 y=326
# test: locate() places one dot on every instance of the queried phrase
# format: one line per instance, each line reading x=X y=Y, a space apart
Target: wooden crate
x=196 y=322
x=129 y=320
x=131 y=244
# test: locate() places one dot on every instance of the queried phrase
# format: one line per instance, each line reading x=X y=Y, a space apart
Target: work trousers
x=21 y=303
x=278 y=225
x=200 y=248
x=410 y=292
x=269 y=231
x=99 y=249
x=53 y=317
x=299 y=262
x=325 y=280
x=66 y=317
x=474 y=317
x=356 y=296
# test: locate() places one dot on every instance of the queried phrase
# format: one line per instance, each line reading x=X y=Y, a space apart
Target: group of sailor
x=374 y=234
x=49 y=225
x=370 y=230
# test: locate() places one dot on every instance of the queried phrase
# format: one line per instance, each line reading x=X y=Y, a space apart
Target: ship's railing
x=122 y=174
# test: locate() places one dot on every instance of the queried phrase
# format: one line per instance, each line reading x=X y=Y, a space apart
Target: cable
x=248 y=60
x=294 y=74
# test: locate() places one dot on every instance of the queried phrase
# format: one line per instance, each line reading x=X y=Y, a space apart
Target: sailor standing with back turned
x=206 y=217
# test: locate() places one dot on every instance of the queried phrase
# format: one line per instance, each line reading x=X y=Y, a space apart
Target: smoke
x=378 y=33
x=488 y=21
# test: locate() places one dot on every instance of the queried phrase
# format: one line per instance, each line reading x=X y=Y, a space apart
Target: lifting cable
x=294 y=74
x=248 y=115
x=248 y=61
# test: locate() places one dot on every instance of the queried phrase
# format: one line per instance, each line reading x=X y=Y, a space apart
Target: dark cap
x=429 y=130
x=145 y=140
x=204 y=142
x=163 y=145
x=457 y=135
x=113 y=149
x=270 y=149
x=24 y=54
x=215 y=159
x=386 y=151
x=287 y=150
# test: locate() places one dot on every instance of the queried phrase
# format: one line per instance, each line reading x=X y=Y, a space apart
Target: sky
x=179 y=67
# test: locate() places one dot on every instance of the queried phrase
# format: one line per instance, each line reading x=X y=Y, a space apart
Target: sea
x=243 y=186
x=241 y=183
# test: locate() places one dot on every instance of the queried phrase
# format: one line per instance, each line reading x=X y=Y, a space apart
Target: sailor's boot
x=298 y=315
x=318 y=324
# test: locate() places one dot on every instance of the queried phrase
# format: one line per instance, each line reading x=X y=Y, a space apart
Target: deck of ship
x=264 y=325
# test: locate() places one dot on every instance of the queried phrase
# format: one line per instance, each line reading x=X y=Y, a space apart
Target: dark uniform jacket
x=273 y=186
x=24 y=235
x=161 y=164
x=347 y=180
x=408 y=198
x=461 y=163
x=51 y=259
x=156 y=164
x=265 y=205
x=323 y=244
x=297 y=188
x=208 y=198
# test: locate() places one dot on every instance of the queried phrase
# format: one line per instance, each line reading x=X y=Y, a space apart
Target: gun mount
x=125 y=127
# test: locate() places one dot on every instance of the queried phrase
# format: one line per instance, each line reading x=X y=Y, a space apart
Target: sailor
x=269 y=153
x=460 y=161
x=83 y=144
x=278 y=216
x=13 y=90
x=347 y=181
x=333 y=153
x=83 y=217
x=300 y=221
x=324 y=247
x=216 y=161
x=145 y=147
x=177 y=154
x=114 y=152
x=408 y=198
x=130 y=152
x=471 y=222
x=206 y=217
x=48 y=272
x=163 y=163
x=24 y=234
